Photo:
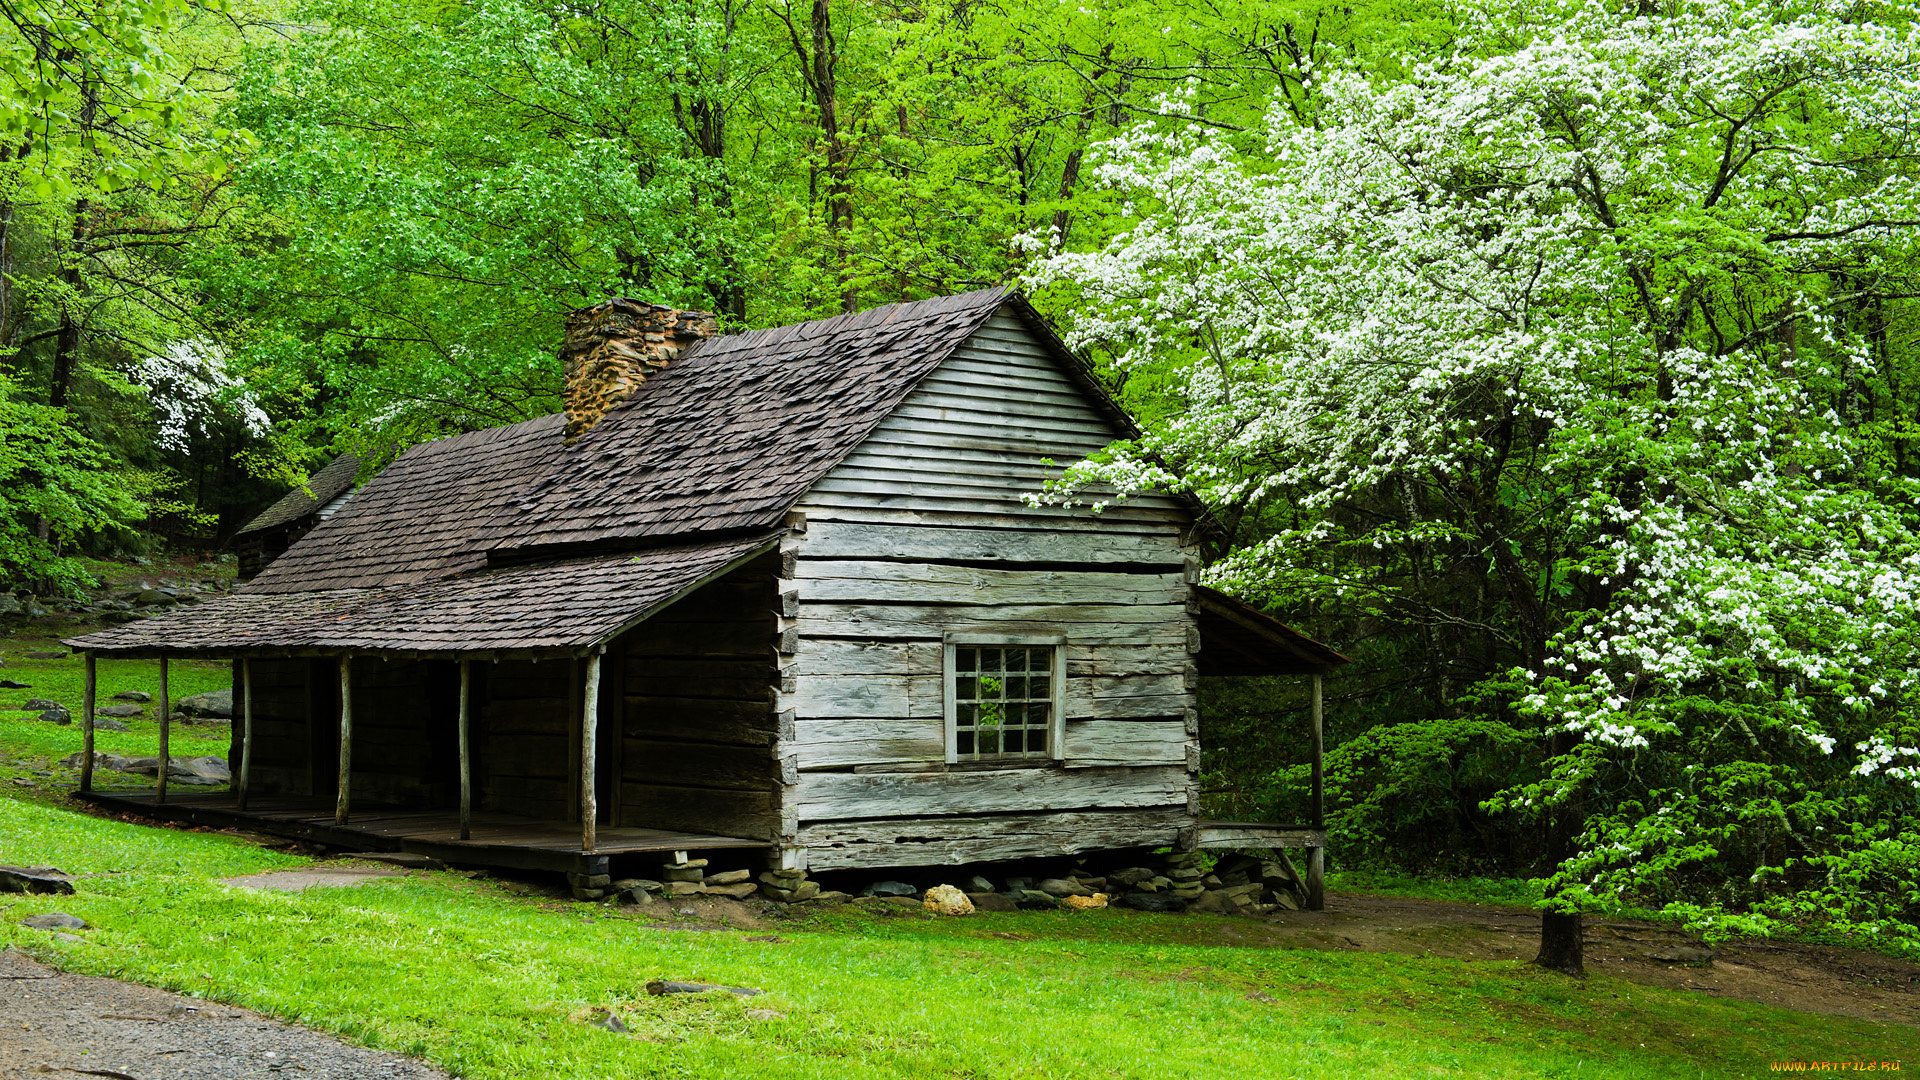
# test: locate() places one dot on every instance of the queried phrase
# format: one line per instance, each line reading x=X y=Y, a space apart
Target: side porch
x=647 y=733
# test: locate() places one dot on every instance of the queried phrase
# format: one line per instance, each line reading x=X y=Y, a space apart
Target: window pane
x=1002 y=700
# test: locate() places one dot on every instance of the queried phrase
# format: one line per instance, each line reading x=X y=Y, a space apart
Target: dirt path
x=55 y=1024
x=1809 y=978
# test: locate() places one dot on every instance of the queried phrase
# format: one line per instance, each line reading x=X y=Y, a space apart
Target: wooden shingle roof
x=321 y=488
x=1240 y=639
x=730 y=434
x=415 y=520
x=570 y=604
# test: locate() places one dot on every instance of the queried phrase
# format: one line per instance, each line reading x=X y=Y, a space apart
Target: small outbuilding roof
x=321 y=488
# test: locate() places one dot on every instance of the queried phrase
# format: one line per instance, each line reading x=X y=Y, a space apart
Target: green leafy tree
x=56 y=486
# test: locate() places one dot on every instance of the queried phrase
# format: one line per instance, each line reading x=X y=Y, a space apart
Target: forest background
x=1554 y=361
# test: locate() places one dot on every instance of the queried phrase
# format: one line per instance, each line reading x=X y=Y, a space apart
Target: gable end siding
x=921 y=531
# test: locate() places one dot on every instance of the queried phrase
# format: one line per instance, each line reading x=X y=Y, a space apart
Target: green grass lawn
x=29 y=747
x=490 y=984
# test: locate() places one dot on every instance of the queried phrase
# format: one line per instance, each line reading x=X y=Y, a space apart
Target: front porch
x=497 y=840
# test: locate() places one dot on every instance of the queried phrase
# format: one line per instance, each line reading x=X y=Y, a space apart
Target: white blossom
x=190 y=385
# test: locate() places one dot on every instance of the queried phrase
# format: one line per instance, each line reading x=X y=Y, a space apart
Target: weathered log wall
x=698 y=724
x=279 y=727
x=922 y=533
x=523 y=738
x=402 y=723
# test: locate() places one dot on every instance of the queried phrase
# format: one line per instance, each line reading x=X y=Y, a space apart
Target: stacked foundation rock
x=1242 y=884
x=686 y=878
x=1178 y=881
x=788 y=886
x=1237 y=885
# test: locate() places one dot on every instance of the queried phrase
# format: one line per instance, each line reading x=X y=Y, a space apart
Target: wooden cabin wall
x=524 y=758
x=697 y=721
x=922 y=531
x=280 y=711
x=396 y=727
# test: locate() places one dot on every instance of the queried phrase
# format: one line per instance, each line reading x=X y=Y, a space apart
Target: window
x=1004 y=700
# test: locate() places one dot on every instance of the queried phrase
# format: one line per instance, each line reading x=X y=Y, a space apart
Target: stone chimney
x=611 y=348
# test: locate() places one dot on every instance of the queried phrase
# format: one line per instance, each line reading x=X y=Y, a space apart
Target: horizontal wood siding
x=698 y=726
x=922 y=533
x=839 y=796
x=957 y=840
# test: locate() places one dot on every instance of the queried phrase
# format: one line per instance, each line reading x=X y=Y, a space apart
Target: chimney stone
x=611 y=348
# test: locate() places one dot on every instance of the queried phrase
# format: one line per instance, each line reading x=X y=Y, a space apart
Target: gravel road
x=54 y=1024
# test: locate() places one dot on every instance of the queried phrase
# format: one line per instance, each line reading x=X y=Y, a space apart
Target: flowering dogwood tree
x=1604 y=312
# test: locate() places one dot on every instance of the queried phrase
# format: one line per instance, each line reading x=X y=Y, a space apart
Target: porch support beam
x=86 y=729
x=589 y=736
x=342 y=797
x=166 y=732
x=246 y=731
x=1319 y=760
x=1317 y=857
x=466 y=761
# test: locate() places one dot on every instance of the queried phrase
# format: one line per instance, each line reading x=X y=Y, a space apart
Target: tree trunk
x=1560 y=944
x=826 y=99
x=66 y=345
x=1561 y=933
x=818 y=55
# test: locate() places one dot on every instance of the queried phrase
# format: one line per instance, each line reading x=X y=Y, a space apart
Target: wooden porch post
x=1317 y=856
x=166 y=730
x=86 y=729
x=589 y=732
x=341 y=797
x=466 y=765
x=1319 y=755
x=246 y=730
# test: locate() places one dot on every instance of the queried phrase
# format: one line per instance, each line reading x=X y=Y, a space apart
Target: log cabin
x=275 y=529
x=776 y=590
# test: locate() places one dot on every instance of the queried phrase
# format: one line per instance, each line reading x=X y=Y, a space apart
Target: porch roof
x=1237 y=638
x=568 y=605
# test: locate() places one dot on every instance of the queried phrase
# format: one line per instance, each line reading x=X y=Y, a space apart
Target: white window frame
x=1056 y=730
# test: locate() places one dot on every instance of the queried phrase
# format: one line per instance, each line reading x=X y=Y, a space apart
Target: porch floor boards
x=1235 y=834
x=498 y=839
